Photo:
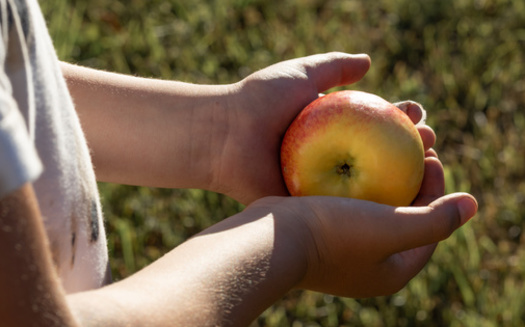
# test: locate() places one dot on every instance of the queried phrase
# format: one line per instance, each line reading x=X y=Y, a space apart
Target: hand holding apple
x=356 y=248
x=353 y=144
x=260 y=109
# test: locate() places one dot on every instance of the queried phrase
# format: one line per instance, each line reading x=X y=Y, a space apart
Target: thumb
x=420 y=226
x=336 y=69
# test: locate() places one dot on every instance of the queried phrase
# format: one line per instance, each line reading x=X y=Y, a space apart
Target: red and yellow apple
x=353 y=144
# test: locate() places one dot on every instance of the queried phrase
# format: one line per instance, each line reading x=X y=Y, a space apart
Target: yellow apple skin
x=353 y=144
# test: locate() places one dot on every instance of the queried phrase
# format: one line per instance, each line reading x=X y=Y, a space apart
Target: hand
x=265 y=104
x=361 y=249
x=235 y=269
x=387 y=246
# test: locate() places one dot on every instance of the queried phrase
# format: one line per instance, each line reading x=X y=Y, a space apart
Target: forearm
x=30 y=291
x=150 y=132
x=226 y=276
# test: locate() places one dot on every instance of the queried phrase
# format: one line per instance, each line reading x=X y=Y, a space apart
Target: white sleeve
x=19 y=162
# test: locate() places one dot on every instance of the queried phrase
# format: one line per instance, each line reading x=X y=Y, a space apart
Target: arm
x=228 y=274
x=150 y=132
x=31 y=294
x=231 y=272
x=221 y=138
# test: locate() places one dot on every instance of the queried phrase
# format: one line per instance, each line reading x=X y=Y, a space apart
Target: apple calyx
x=344 y=169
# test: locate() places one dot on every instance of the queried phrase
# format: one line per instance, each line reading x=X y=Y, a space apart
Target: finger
x=433 y=185
x=404 y=266
x=421 y=226
x=427 y=136
x=410 y=262
x=418 y=115
x=336 y=69
x=431 y=153
x=413 y=110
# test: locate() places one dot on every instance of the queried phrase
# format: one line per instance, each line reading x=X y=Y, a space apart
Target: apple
x=353 y=144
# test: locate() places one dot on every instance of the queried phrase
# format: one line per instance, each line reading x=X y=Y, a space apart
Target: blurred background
x=464 y=60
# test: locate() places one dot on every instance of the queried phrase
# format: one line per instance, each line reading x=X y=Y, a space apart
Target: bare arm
x=228 y=274
x=225 y=276
x=231 y=272
x=150 y=132
x=227 y=139
x=223 y=138
x=30 y=292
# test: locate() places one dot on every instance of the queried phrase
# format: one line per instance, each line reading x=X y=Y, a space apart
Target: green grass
x=463 y=60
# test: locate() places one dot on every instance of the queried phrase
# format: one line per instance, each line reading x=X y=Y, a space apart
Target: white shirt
x=41 y=141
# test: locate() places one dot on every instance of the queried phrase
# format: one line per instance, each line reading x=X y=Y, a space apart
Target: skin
x=226 y=139
x=30 y=290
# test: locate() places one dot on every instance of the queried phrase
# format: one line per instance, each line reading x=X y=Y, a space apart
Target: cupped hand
x=363 y=249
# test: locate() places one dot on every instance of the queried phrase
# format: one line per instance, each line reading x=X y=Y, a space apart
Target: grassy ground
x=463 y=60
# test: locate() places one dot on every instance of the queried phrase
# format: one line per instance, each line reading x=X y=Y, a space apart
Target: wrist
x=151 y=132
x=264 y=254
x=212 y=138
x=226 y=122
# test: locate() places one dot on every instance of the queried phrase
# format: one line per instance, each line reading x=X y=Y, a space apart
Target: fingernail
x=467 y=209
x=361 y=56
x=423 y=119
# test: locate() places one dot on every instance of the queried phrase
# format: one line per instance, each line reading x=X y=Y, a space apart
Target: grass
x=463 y=60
